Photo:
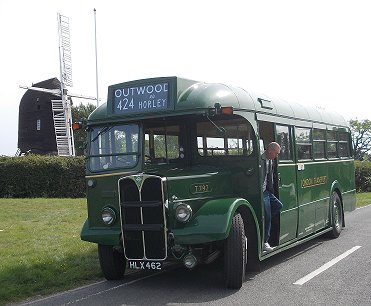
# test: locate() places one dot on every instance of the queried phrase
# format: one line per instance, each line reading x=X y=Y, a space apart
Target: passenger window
x=319 y=143
x=283 y=138
x=235 y=140
x=303 y=143
x=331 y=144
x=343 y=146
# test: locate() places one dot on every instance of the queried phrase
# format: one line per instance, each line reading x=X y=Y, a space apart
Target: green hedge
x=363 y=176
x=42 y=176
x=63 y=177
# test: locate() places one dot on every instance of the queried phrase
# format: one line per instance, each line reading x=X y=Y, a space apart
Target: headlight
x=183 y=212
x=108 y=215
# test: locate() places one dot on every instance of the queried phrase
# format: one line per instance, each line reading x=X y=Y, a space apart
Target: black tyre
x=336 y=211
x=112 y=262
x=235 y=254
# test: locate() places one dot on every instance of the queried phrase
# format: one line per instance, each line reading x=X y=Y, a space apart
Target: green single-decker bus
x=174 y=174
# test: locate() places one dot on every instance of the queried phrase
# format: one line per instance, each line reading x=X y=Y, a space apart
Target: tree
x=361 y=136
x=81 y=112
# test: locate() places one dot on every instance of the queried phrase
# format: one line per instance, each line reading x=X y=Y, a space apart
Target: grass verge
x=40 y=248
x=363 y=199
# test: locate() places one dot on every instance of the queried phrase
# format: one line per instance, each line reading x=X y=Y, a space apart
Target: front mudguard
x=105 y=236
x=212 y=222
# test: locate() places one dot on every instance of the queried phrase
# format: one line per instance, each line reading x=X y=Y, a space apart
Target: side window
x=319 y=144
x=331 y=144
x=234 y=137
x=343 y=145
x=283 y=138
x=303 y=142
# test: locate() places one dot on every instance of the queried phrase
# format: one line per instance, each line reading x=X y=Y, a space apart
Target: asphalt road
x=320 y=272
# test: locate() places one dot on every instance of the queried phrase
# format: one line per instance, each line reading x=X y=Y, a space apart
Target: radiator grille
x=143 y=217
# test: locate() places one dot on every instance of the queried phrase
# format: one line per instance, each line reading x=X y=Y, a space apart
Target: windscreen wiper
x=102 y=131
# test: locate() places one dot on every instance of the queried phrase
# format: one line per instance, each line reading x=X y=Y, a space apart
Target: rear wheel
x=112 y=262
x=336 y=211
x=235 y=254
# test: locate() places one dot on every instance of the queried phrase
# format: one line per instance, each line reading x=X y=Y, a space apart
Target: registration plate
x=144 y=265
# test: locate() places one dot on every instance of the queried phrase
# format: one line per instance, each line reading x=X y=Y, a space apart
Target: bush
x=42 y=176
x=363 y=176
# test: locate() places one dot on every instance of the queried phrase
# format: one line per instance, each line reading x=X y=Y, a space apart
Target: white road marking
x=308 y=277
x=114 y=288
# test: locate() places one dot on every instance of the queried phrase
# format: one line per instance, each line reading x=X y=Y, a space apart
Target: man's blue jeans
x=272 y=207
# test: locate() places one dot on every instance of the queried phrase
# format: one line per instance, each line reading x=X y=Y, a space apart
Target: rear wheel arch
x=335 y=187
x=336 y=212
x=337 y=190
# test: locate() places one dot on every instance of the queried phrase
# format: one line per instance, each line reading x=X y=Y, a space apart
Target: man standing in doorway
x=272 y=205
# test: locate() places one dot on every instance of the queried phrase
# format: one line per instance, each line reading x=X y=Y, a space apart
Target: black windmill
x=36 y=133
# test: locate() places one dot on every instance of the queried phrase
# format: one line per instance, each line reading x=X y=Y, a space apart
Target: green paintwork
x=288 y=197
x=212 y=221
x=106 y=236
x=314 y=199
x=104 y=193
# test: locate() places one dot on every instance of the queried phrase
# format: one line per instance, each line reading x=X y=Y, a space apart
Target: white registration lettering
x=145 y=265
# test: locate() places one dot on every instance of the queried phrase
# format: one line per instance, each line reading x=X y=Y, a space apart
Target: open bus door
x=287 y=185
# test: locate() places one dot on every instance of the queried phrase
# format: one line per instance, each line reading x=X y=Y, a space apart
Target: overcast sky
x=310 y=52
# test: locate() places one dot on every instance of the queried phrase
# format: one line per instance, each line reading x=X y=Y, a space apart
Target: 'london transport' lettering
x=313 y=181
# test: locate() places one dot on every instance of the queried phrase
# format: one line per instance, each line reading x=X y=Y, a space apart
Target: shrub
x=42 y=176
x=363 y=176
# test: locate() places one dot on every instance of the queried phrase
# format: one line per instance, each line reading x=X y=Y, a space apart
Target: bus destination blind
x=141 y=98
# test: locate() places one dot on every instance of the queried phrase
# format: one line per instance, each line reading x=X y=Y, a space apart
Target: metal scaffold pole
x=96 y=54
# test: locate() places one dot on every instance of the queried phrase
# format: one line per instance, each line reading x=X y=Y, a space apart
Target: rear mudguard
x=212 y=221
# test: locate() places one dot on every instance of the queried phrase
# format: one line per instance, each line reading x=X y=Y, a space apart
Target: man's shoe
x=267 y=247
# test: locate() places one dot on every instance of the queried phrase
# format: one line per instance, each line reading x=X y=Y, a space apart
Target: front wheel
x=336 y=211
x=112 y=262
x=235 y=254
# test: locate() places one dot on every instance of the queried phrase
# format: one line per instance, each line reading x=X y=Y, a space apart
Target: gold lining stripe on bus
x=316 y=162
x=349 y=191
